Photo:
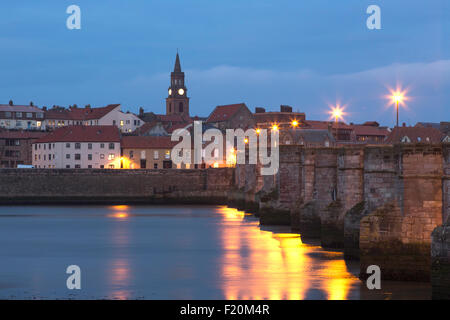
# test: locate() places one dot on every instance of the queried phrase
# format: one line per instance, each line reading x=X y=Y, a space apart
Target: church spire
x=177 y=64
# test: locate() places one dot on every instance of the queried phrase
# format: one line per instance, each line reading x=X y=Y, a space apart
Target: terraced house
x=21 y=117
x=79 y=147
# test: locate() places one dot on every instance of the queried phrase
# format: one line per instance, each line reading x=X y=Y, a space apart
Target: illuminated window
x=167 y=155
x=111 y=156
x=155 y=155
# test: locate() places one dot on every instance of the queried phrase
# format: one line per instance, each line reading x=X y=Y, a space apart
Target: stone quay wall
x=114 y=186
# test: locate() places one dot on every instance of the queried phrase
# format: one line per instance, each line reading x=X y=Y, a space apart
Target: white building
x=78 y=147
x=87 y=116
x=21 y=117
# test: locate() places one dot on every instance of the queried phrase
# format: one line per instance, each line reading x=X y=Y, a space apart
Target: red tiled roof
x=364 y=130
x=13 y=134
x=80 y=113
x=426 y=135
x=224 y=113
x=147 y=142
x=83 y=134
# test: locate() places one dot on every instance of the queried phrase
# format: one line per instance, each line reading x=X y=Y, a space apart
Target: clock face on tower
x=170 y=92
x=180 y=92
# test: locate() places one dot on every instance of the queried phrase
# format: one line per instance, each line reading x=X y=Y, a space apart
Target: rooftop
x=83 y=134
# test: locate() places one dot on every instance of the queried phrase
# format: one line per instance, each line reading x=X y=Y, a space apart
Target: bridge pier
x=440 y=247
x=396 y=236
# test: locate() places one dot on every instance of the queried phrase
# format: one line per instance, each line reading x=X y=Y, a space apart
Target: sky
x=308 y=54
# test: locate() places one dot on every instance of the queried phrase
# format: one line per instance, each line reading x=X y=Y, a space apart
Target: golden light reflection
x=122 y=212
x=260 y=264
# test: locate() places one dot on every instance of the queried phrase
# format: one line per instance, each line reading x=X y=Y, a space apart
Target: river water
x=170 y=252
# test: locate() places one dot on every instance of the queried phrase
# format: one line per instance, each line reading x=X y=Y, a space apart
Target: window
x=155 y=155
x=155 y=166
x=102 y=166
x=67 y=145
x=67 y=166
x=29 y=115
x=102 y=156
x=90 y=146
x=18 y=123
x=40 y=115
x=77 y=166
x=35 y=147
x=89 y=166
x=114 y=122
x=49 y=146
x=102 y=145
x=111 y=156
x=77 y=145
x=111 y=166
x=77 y=156
x=38 y=123
x=18 y=114
x=8 y=114
x=111 y=146
x=143 y=163
x=167 y=155
x=131 y=154
x=89 y=156
x=67 y=156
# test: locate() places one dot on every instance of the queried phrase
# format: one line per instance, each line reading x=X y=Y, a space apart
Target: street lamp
x=397 y=97
x=337 y=113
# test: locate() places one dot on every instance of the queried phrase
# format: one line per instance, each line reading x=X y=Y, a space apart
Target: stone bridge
x=384 y=205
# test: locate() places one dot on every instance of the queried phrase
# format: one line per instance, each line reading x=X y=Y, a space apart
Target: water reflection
x=259 y=264
x=119 y=267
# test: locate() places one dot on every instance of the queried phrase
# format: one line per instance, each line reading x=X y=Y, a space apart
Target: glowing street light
x=337 y=113
x=275 y=127
x=294 y=123
x=398 y=97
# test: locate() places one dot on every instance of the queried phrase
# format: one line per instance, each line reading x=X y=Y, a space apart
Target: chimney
x=260 y=110
x=284 y=108
x=404 y=124
x=141 y=111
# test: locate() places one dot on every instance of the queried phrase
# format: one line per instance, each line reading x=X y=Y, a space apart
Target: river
x=171 y=252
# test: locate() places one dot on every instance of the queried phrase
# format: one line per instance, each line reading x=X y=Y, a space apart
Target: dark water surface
x=170 y=252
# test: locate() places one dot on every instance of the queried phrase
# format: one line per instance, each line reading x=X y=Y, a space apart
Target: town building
x=284 y=119
x=147 y=152
x=233 y=116
x=370 y=133
x=406 y=134
x=15 y=147
x=307 y=137
x=443 y=126
x=342 y=132
x=105 y=116
x=21 y=117
x=78 y=147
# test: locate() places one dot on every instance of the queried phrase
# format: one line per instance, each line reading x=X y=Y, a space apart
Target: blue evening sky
x=304 y=53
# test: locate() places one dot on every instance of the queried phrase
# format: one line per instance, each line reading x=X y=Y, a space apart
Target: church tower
x=177 y=102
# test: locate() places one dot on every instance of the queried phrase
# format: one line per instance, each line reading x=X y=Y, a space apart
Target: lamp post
x=397 y=97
